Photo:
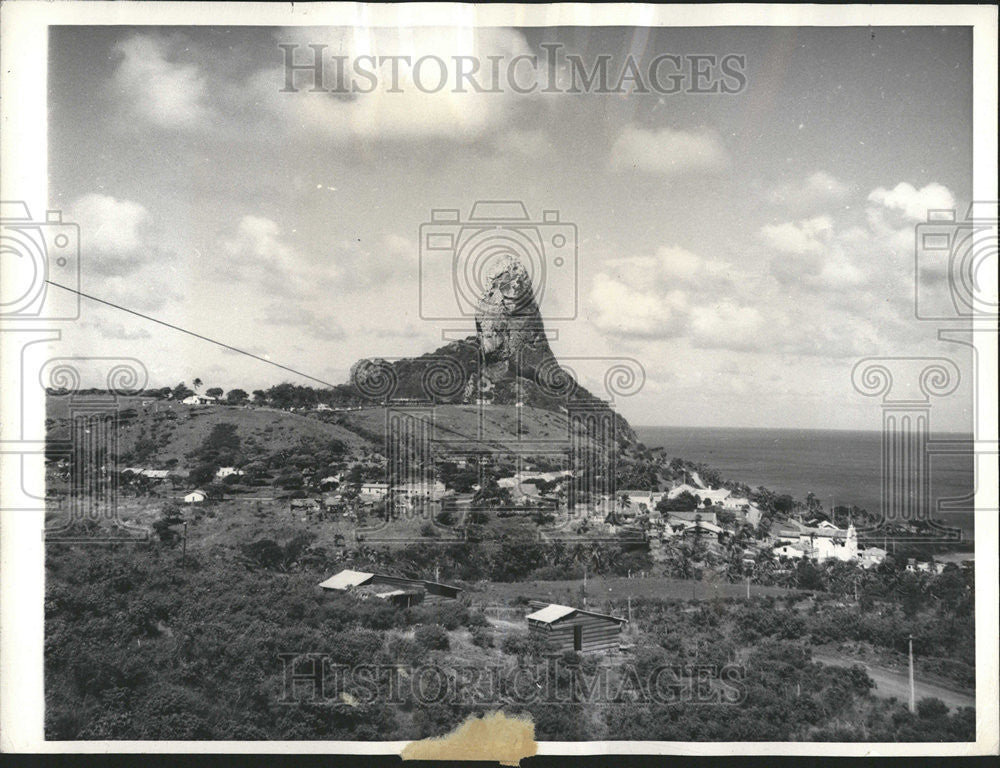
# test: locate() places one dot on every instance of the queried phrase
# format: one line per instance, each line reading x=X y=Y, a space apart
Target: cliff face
x=509 y=327
x=508 y=361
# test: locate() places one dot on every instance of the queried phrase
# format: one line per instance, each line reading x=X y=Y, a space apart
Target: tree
x=432 y=636
x=181 y=391
x=236 y=397
x=214 y=392
x=196 y=384
x=784 y=504
x=813 y=505
x=682 y=502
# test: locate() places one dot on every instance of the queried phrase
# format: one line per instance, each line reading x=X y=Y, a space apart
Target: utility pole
x=748 y=586
x=913 y=696
x=584 y=586
x=184 y=547
x=630 y=610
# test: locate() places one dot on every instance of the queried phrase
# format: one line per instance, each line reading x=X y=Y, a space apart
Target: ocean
x=842 y=467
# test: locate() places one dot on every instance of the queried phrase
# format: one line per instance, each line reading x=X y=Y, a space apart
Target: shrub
x=931 y=709
x=403 y=650
x=432 y=637
x=428 y=530
x=450 y=615
x=482 y=637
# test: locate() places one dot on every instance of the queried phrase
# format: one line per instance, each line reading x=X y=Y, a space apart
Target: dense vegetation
x=139 y=645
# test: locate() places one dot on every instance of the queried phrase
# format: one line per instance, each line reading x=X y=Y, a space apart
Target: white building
x=821 y=544
x=195 y=497
x=637 y=497
x=872 y=557
x=716 y=496
x=222 y=472
x=199 y=400
x=734 y=502
x=375 y=490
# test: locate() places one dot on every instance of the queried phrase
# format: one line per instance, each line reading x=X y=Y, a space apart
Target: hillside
x=172 y=430
x=162 y=433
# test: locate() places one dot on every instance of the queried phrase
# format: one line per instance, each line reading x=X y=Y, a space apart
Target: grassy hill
x=496 y=427
x=178 y=429
x=171 y=430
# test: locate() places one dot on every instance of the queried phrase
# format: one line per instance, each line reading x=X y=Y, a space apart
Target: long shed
x=575 y=629
x=418 y=590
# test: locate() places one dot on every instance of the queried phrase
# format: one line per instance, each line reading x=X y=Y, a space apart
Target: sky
x=746 y=249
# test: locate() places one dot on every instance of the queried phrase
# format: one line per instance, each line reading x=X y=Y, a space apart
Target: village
x=494 y=560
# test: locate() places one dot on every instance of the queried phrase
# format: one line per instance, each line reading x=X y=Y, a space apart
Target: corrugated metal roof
x=345 y=579
x=551 y=613
x=554 y=612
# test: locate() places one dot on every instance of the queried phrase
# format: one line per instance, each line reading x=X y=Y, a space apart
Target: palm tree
x=196 y=384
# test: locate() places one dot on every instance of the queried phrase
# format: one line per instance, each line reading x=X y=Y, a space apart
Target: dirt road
x=890 y=683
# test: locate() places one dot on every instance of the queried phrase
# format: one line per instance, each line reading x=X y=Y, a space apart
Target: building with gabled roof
x=411 y=591
x=576 y=629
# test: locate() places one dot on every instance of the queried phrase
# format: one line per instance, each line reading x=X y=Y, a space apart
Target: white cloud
x=109 y=224
x=726 y=325
x=164 y=92
x=912 y=203
x=624 y=311
x=259 y=253
x=413 y=107
x=818 y=187
x=667 y=151
x=115 y=235
x=804 y=237
x=669 y=267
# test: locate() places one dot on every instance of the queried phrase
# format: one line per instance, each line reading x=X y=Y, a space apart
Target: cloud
x=726 y=325
x=670 y=266
x=115 y=235
x=809 y=236
x=667 y=152
x=259 y=253
x=912 y=203
x=621 y=310
x=818 y=187
x=405 y=106
x=157 y=89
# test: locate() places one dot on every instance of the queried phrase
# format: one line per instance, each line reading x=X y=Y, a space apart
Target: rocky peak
x=509 y=327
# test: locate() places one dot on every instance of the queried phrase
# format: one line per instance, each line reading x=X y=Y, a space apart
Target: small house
x=398 y=590
x=375 y=490
x=199 y=400
x=195 y=497
x=575 y=629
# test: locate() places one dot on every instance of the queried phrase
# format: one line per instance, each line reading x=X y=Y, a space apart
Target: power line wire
x=191 y=333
